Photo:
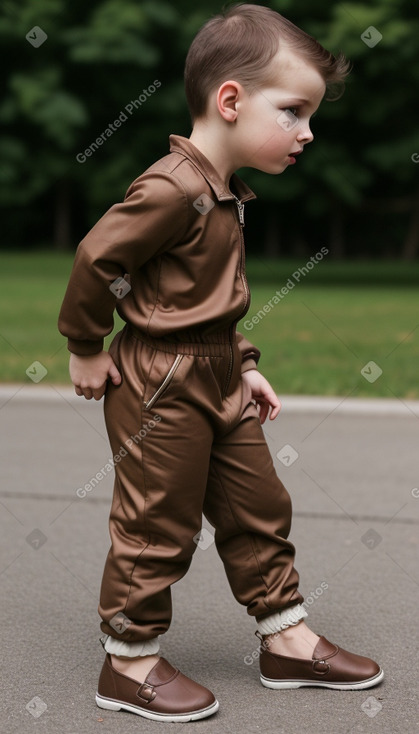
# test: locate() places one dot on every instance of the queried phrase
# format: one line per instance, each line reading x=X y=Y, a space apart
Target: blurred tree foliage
x=355 y=190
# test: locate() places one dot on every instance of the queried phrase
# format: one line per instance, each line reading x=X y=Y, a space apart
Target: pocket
x=148 y=404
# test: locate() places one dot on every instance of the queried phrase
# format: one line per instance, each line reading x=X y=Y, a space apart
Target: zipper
x=240 y=208
x=230 y=363
x=165 y=383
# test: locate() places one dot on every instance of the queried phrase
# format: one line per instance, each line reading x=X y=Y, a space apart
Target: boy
x=184 y=400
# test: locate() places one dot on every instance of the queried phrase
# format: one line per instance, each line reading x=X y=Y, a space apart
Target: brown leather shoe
x=330 y=667
x=165 y=695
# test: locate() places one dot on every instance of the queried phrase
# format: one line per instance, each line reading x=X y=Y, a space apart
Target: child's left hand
x=262 y=394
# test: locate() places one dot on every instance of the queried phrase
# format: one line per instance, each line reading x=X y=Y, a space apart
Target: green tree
x=360 y=166
x=63 y=94
x=355 y=189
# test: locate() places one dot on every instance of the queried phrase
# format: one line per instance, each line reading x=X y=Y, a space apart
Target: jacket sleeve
x=250 y=354
x=152 y=218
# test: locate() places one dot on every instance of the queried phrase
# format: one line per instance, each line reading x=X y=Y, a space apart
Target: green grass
x=32 y=289
x=315 y=341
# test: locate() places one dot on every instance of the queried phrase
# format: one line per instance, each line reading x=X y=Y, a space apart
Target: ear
x=227 y=98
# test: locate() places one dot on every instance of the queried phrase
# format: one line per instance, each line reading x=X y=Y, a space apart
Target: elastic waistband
x=210 y=345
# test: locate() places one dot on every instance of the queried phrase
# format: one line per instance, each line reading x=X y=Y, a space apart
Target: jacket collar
x=179 y=144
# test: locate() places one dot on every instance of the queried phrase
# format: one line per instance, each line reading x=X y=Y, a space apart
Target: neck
x=214 y=147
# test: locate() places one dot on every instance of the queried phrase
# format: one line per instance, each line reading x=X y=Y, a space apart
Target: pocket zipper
x=229 y=371
x=165 y=383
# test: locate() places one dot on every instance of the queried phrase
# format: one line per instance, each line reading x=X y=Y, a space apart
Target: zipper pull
x=240 y=207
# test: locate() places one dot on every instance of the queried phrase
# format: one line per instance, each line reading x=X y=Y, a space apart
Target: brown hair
x=239 y=44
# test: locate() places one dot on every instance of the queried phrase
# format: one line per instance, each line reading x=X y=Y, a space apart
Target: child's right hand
x=89 y=374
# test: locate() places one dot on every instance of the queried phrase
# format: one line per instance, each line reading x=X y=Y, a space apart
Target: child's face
x=273 y=121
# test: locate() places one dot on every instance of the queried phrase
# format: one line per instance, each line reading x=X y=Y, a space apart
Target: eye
x=293 y=110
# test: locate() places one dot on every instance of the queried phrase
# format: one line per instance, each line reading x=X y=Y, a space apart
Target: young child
x=184 y=401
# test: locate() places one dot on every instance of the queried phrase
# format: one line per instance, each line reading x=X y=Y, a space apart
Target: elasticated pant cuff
x=281 y=620
x=130 y=649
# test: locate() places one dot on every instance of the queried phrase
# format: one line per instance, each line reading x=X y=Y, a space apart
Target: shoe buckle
x=321 y=671
x=146 y=692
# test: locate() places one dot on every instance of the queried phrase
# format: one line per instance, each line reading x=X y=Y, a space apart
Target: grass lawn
x=316 y=340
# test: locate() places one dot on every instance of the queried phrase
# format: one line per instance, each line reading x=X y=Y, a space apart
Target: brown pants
x=187 y=440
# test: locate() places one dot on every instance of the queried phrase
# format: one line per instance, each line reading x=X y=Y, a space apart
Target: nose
x=305 y=136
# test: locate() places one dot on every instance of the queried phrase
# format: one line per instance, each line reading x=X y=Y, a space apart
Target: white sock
x=130 y=649
x=281 y=620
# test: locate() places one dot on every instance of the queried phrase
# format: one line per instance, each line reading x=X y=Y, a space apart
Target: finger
x=273 y=401
x=272 y=398
x=264 y=408
x=275 y=412
x=78 y=391
x=99 y=392
x=87 y=393
x=115 y=375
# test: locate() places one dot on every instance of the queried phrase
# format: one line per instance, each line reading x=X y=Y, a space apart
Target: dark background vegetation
x=356 y=190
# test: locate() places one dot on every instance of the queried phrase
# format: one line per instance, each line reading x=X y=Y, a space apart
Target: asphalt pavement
x=351 y=468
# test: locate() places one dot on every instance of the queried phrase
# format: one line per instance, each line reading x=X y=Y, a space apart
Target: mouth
x=292 y=156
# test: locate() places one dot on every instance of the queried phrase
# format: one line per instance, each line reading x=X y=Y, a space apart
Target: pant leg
x=201 y=440
x=251 y=511
x=159 y=489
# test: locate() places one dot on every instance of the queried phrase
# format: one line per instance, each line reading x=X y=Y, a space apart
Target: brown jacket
x=177 y=240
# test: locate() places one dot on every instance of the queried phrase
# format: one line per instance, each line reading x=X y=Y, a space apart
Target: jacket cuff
x=249 y=364
x=84 y=347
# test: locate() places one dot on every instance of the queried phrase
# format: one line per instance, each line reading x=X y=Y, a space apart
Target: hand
x=262 y=394
x=89 y=374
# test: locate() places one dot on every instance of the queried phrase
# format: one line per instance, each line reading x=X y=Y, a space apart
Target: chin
x=273 y=169
x=276 y=170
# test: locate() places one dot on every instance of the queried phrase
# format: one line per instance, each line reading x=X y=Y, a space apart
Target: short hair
x=239 y=44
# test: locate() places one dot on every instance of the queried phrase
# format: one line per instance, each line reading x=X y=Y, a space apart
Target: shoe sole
x=111 y=704
x=343 y=686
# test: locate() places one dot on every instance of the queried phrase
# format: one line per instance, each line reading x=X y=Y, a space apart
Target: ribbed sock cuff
x=281 y=620
x=130 y=649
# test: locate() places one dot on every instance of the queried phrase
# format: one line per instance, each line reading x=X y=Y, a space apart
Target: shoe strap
x=146 y=692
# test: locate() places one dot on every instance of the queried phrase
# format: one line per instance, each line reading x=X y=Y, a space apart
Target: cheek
x=277 y=143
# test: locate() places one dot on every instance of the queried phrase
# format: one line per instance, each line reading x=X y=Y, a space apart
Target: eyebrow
x=290 y=101
x=297 y=100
